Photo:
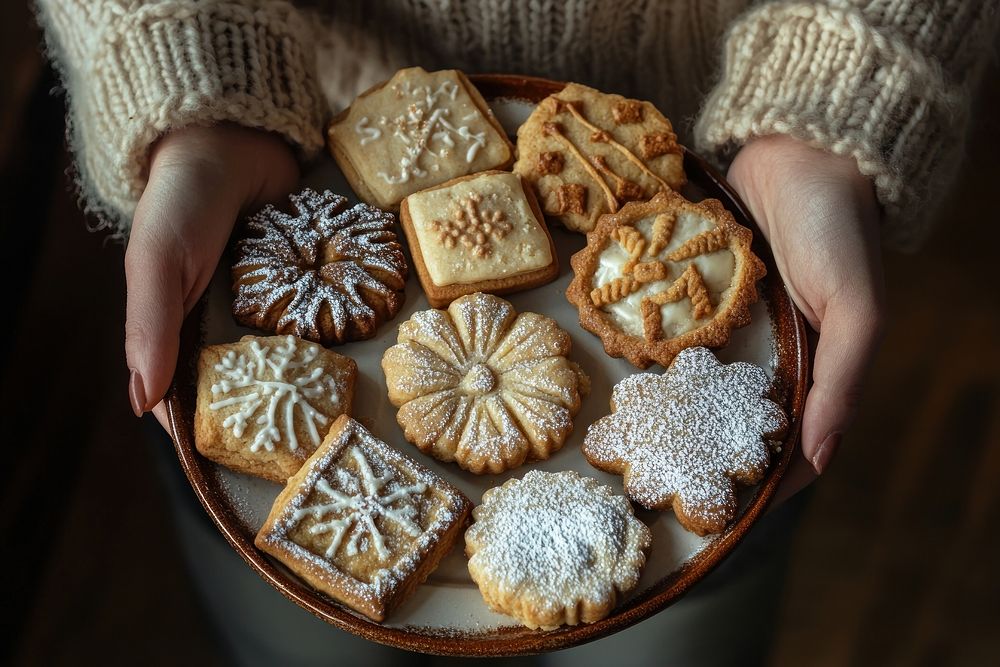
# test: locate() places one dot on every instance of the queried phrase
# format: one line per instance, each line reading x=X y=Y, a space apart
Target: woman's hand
x=200 y=179
x=821 y=218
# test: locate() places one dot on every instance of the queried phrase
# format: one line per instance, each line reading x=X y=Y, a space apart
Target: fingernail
x=821 y=459
x=136 y=393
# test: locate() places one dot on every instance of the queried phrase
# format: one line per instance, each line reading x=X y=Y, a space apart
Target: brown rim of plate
x=790 y=380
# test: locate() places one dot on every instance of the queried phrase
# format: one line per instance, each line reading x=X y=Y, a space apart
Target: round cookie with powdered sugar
x=555 y=548
x=686 y=438
x=326 y=273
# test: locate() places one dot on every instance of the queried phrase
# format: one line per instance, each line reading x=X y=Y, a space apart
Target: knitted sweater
x=883 y=81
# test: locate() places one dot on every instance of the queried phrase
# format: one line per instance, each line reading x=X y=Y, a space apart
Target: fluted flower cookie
x=663 y=275
x=684 y=439
x=482 y=385
x=555 y=548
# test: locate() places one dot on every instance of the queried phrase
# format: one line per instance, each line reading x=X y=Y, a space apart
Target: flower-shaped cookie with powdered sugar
x=482 y=385
x=684 y=439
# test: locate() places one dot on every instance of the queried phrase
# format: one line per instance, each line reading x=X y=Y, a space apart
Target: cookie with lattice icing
x=663 y=275
x=686 y=438
x=415 y=131
x=264 y=404
x=327 y=273
x=587 y=153
x=478 y=233
x=482 y=385
x=362 y=523
x=555 y=549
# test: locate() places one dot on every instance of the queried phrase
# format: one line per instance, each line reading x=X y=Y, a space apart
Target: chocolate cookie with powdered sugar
x=326 y=272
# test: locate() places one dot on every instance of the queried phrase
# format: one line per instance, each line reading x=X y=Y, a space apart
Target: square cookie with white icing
x=478 y=233
x=415 y=131
x=362 y=523
x=265 y=403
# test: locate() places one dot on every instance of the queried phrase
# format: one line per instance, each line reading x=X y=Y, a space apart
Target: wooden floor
x=895 y=563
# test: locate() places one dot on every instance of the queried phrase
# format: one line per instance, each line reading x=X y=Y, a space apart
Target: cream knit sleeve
x=134 y=70
x=884 y=81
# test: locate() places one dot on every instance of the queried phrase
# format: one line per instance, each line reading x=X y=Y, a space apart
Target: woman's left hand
x=821 y=218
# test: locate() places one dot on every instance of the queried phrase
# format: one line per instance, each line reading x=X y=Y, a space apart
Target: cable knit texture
x=137 y=70
x=884 y=81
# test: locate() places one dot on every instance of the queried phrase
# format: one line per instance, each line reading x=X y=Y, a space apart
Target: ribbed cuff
x=827 y=77
x=168 y=65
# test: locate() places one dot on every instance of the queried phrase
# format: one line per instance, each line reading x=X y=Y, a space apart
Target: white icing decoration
x=354 y=507
x=425 y=125
x=279 y=381
x=367 y=134
x=716 y=270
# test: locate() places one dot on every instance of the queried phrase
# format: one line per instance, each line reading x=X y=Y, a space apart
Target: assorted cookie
x=362 y=523
x=415 y=131
x=478 y=233
x=685 y=439
x=327 y=273
x=587 y=153
x=482 y=385
x=555 y=549
x=664 y=275
x=479 y=384
x=264 y=404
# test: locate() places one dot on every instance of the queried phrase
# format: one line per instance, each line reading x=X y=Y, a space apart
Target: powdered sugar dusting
x=549 y=545
x=684 y=437
x=356 y=492
x=325 y=274
x=482 y=385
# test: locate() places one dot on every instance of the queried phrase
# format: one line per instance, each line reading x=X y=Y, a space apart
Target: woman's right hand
x=200 y=180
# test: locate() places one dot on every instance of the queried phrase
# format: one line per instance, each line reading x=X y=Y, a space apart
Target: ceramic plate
x=446 y=615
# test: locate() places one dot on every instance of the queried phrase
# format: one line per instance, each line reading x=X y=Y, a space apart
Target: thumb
x=849 y=337
x=154 y=309
x=177 y=238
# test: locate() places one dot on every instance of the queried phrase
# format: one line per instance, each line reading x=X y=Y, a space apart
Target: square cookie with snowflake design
x=265 y=403
x=415 y=131
x=362 y=523
x=479 y=233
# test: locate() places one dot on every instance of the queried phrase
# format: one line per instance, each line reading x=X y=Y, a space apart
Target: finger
x=850 y=334
x=799 y=475
x=160 y=412
x=178 y=234
x=154 y=306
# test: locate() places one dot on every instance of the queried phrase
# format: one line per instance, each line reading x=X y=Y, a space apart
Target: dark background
x=895 y=562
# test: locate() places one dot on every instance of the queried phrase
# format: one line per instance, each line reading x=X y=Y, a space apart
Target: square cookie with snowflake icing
x=265 y=403
x=479 y=233
x=362 y=523
x=415 y=131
